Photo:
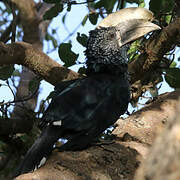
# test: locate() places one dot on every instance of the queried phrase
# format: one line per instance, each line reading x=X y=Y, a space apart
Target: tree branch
x=155 y=48
x=163 y=159
x=24 y=54
x=145 y=70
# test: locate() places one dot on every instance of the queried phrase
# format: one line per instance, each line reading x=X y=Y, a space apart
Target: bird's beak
x=133 y=29
x=131 y=23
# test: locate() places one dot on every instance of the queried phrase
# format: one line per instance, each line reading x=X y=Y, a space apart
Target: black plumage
x=88 y=106
x=82 y=109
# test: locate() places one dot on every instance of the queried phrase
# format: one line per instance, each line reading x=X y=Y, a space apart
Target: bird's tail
x=39 y=151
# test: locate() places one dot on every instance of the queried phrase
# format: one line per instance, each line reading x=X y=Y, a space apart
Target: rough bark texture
x=155 y=48
x=164 y=157
x=145 y=70
x=26 y=55
x=30 y=24
x=118 y=160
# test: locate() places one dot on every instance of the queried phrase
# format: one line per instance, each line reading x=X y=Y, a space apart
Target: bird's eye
x=111 y=36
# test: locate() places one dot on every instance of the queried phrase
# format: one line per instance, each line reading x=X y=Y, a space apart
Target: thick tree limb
x=24 y=54
x=29 y=21
x=144 y=125
x=164 y=156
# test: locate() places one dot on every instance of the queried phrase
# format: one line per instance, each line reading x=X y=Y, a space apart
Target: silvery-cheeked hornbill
x=82 y=109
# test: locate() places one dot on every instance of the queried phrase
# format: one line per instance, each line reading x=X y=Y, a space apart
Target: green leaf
x=82 y=39
x=67 y=55
x=53 y=12
x=24 y=138
x=63 y=18
x=16 y=73
x=53 y=31
x=91 y=5
x=48 y=37
x=172 y=77
x=6 y=72
x=34 y=84
x=84 y=20
x=99 y=4
x=109 y=5
x=51 y=95
x=173 y=64
x=54 y=42
x=93 y=17
x=132 y=52
x=133 y=57
x=153 y=91
x=134 y=1
x=168 y=18
x=134 y=46
x=142 y=4
x=82 y=70
x=162 y=6
x=69 y=7
x=52 y=1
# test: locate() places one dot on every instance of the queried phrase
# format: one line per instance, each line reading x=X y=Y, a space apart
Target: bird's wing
x=84 y=104
x=63 y=85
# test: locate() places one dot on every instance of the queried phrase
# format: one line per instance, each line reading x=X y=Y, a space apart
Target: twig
x=77 y=27
x=21 y=100
x=7 y=82
x=5 y=35
x=120 y=4
x=13 y=37
x=75 y=3
x=13 y=29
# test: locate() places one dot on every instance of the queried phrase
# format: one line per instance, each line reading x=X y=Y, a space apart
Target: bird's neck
x=111 y=67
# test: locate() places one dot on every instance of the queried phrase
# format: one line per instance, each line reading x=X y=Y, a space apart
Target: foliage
x=34 y=84
x=67 y=55
x=6 y=72
x=82 y=39
x=172 y=77
x=161 y=6
x=54 y=11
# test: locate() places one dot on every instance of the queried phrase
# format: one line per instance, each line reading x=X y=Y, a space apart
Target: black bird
x=82 y=109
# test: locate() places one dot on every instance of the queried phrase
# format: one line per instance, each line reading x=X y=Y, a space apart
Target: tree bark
x=164 y=156
x=26 y=55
